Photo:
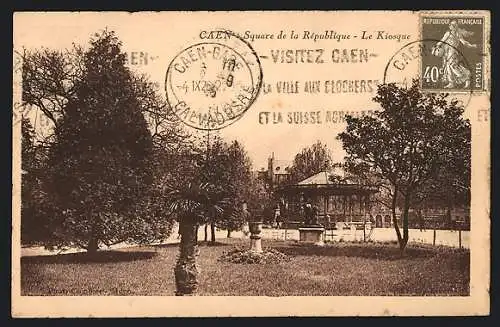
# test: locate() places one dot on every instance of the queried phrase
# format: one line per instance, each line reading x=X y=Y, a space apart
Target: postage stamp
x=457 y=61
x=210 y=85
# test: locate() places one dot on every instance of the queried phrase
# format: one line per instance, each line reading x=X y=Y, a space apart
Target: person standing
x=277 y=216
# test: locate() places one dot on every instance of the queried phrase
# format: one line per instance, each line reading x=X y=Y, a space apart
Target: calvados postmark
x=210 y=85
x=456 y=63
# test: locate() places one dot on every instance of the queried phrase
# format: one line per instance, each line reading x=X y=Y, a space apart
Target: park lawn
x=333 y=270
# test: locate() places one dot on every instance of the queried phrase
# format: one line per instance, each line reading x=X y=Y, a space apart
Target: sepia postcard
x=251 y=163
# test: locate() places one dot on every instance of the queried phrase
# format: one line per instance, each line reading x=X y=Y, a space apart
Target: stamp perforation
x=455 y=15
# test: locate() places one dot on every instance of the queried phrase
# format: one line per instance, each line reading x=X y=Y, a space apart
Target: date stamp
x=456 y=61
x=210 y=85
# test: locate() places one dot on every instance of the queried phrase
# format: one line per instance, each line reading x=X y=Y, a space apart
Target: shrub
x=268 y=256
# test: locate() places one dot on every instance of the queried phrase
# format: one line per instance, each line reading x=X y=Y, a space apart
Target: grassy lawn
x=337 y=269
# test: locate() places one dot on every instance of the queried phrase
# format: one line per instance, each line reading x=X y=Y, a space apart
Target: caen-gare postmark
x=210 y=85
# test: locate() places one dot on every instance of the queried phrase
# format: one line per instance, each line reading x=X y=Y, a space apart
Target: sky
x=163 y=36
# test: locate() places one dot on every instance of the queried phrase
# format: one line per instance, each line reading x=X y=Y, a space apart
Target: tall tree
x=100 y=160
x=451 y=186
x=32 y=196
x=228 y=168
x=63 y=84
x=311 y=160
x=406 y=143
x=239 y=183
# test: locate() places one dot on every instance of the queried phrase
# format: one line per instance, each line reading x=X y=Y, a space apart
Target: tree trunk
x=395 y=218
x=406 y=209
x=212 y=232
x=93 y=244
x=448 y=216
x=186 y=270
x=228 y=233
x=206 y=232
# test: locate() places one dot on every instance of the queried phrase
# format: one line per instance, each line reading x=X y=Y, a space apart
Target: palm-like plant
x=192 y=205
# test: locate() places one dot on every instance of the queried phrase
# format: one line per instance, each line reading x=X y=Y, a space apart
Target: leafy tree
x=31 y=192
x=228 y=168
x=28 y=151
x=310 y=161
x=49 y=82
x=451 y=186
x=259 y=199
x=100 y=168
x=239 y=186
x=50 y=78
x=406 y=144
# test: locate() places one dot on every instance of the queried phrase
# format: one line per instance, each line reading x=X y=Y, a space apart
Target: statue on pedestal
x=311 y=215
x=311 y=232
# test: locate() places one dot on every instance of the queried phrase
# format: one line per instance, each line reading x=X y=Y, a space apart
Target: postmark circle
x=210 y=85
x=424 y=60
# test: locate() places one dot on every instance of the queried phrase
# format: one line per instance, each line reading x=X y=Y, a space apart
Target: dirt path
x=443 y=237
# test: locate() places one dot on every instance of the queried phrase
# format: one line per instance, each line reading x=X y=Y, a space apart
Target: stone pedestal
x=311 y=235
x=256 y=243
x=255 y=238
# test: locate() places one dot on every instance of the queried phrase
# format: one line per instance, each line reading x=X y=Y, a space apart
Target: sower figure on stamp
x=454 y=71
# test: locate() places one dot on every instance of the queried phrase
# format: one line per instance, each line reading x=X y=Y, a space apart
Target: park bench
x=359 y=225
